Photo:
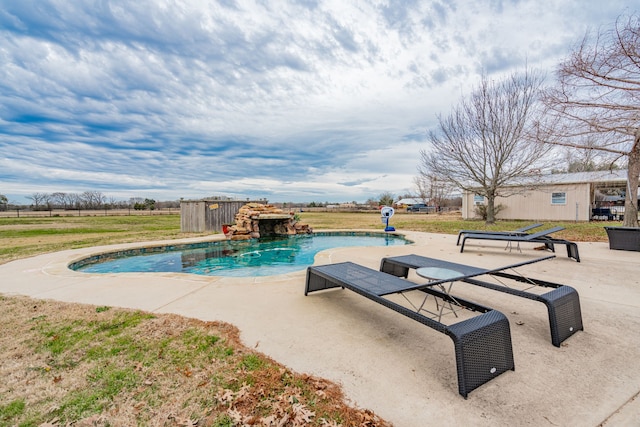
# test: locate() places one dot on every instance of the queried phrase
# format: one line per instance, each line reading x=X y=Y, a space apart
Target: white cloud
x=284 y=100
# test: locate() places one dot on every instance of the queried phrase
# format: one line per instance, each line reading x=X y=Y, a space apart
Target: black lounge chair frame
x=539 y=237
x=563 y=302
x=522 y=231
x=482 y=343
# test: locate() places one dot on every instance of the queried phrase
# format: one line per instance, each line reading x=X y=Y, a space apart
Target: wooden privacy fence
x=197 y=216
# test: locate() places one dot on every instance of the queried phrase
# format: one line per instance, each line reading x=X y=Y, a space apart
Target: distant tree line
x=88 y=200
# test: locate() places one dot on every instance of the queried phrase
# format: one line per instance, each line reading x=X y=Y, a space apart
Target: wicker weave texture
x=483 y=348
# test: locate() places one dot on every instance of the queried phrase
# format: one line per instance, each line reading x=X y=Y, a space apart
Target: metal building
x=556 y=197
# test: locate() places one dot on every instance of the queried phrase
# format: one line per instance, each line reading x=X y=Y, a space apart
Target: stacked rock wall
x=255 y=220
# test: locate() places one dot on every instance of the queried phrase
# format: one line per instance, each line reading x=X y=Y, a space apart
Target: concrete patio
x=400 y=369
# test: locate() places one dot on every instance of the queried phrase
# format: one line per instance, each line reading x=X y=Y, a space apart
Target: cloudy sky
x=305 y=100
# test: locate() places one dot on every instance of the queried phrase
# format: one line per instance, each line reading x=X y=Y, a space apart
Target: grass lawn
x=449 y=224
x=66 y=364
x=22 y=237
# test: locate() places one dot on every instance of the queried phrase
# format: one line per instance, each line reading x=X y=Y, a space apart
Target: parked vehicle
x=421 y=207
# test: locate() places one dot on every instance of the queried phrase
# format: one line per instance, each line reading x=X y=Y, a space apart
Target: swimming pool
x=243 y=258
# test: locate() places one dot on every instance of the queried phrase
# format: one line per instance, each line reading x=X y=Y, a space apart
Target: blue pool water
x=248 y=258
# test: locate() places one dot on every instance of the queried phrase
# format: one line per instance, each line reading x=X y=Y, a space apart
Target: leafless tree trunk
x=39 y=199
x=93 y=199
x=633 y=181
x=432 y=190
x=487 y=142
x=59 y=200
x=422 y=189
x=598 y=93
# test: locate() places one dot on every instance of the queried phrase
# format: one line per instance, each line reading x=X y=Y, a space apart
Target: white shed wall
x=536 y=204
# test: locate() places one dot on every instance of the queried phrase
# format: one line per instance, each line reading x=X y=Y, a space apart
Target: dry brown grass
x=72 y=364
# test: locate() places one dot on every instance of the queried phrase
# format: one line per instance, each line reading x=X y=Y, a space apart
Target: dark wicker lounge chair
x=539 y=237
x=624 y=238
x=517 y=232
x=482 y=343
x=563 y=302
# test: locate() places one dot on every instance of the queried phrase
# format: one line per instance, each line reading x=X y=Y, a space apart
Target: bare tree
x=39 y=199
x=587 y=159
x=421 y=184
x=111 y=202
x=487 y=142
x=59 y=200
x=75 y=200
x=432 y=190
x=598 y=93
x=93 y=199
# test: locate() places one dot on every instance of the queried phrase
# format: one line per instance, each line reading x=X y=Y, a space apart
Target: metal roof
x=611 y=177
x=409 y=202
x=605 y=177
x=582 y=177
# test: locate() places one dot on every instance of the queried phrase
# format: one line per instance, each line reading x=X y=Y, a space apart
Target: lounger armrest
x=316 y=282
x=394 y=268
x=565 y=315
x=483 y=349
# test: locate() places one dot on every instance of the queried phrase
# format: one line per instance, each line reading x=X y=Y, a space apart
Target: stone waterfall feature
x=255 y=220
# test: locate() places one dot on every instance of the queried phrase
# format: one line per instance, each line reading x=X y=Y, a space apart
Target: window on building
x=478 y=200
x=559 y=198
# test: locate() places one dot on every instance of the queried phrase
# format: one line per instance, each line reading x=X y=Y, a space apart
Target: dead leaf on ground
x=186 y=422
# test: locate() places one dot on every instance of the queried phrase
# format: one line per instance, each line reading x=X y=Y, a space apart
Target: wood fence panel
x=191 y=221
x=197 y=216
